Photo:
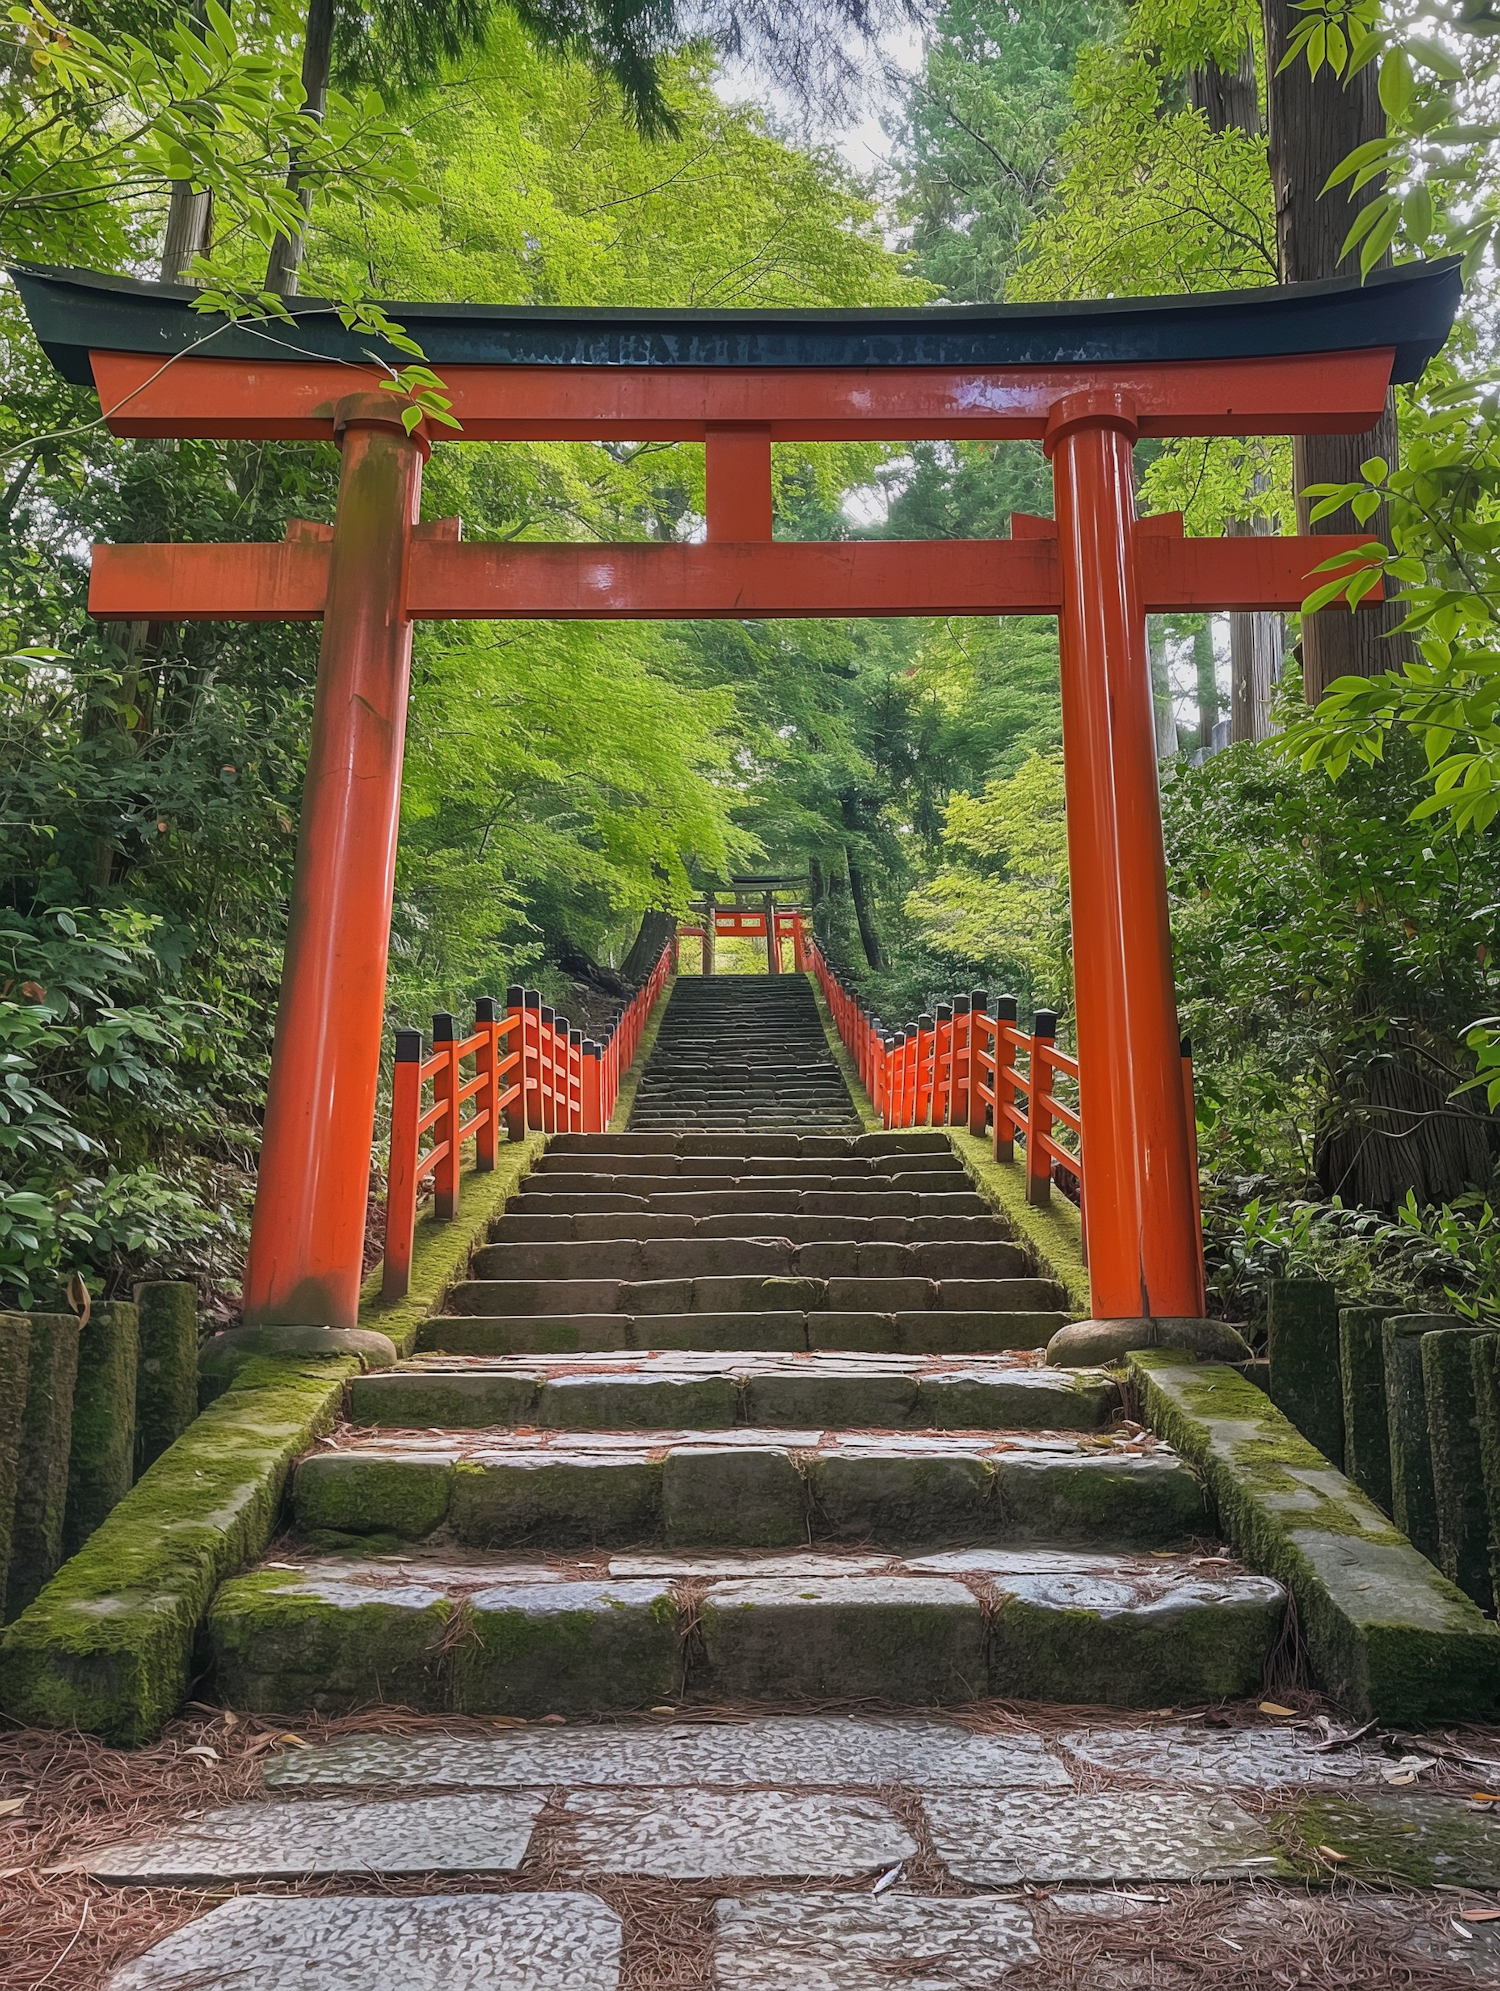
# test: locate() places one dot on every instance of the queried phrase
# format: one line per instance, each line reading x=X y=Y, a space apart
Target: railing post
x=888 y=1069
x=926 y=1038
x=909 y=1041
x=1038 y=1119
x=575 y=1081
x=593 y=1086
x=487 y=1099
x=963 y=1061
x=401 y=1173
x=978 y=1004
x=942 y=1066
x=445 y=1093
x=799 y=942
x=547 y=1065
x=531 y=1058
x=1005 y=1054
x=515 y=1009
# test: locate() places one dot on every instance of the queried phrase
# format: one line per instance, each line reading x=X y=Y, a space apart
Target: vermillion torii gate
x=1086 y=380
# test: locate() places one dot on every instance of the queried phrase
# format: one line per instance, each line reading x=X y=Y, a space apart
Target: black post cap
x=960 y=1005
x=1005 y=1009
x=1045 y=1023
x=515 y=996
x=486 y=1010
x=442 y=1027
x=408 y=1047
x=1185 y=1047
x=575 y=1036
x=926 y=1022
x=549 y=1015
x=532 y=998
x=979 y=1001
x=560 y=1024
x=945 y=1012
x=592 y=1049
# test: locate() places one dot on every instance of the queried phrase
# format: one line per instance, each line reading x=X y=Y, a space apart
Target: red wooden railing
x=964 y=1067
x=529 y=1070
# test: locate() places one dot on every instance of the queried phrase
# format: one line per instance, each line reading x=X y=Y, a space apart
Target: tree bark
x=1256 y=642
x=1313 y=123
x=864 y=913
x=1161 y=689
x=317 y=61
x=656 y=930
x=1227 y=97
x=1206 y=666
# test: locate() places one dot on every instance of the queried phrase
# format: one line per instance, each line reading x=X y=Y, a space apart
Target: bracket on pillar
x=737 y=481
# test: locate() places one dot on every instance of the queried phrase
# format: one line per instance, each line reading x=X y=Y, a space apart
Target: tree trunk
x=1206 y=666
x=1256 y=642
x=1161 y=688
x=656 y=930
x=1227 y=97
x=1314 y=122
x=864 y=913
x=189 y=215
x=317 y=61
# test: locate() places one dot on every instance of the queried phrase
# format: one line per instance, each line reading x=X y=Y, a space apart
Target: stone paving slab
x=1422 y=1837
x=861 y=1942
x=437 y=1942
x=999 y=1839
x=790 y=1749
x=1190 y=1753
x=486 y=1834
x=711 y=1835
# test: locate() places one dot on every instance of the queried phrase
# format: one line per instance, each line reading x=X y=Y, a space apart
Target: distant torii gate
x=1086 y=380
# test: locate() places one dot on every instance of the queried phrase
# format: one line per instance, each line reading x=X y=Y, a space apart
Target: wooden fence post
x=1038 y=1114
x=401 y=1173
x=1006 y=1091
x=487 y=1098
x=978 y=1004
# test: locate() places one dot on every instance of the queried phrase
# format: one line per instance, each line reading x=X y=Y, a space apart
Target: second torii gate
x=1086 y=380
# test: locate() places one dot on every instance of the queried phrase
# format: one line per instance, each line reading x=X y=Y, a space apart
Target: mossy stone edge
x=1387 y=1634
x=107 y=1647
x=1051 y=1233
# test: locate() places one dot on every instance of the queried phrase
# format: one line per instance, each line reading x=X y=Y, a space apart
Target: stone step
x=752 y=1146
x=857 y=1170
x=691 y=1258
x=516 y=1227
x=937 y=1331
x=763 y=1291
x=678 y=1389
x=577 y=1182
x=539 y=1637
x=537 y=1201
x=749 y=1489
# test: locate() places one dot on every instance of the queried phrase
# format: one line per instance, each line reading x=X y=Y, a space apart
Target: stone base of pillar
x=1091 y=1344
x=226 y=1354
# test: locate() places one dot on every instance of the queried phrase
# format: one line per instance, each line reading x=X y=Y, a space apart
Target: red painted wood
x=480 y=581
x=1324 y=394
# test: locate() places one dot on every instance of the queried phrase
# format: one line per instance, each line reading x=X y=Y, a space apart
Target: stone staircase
x=741 y=1405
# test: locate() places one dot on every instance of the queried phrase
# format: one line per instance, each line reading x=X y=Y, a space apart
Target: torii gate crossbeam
x=1086 y=380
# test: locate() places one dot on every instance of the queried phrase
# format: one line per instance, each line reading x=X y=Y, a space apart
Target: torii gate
x=1085 y=379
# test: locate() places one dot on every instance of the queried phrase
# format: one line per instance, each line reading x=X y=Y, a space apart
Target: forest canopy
x=1330 y=782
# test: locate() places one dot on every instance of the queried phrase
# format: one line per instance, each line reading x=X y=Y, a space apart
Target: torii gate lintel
x=1086 y=380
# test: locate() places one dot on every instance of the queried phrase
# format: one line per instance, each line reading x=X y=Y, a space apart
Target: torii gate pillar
x=1145 y=1256
x=307 y=1232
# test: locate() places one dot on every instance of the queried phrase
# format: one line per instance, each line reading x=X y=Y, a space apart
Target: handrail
x=960 y=1065
x=550 y=1079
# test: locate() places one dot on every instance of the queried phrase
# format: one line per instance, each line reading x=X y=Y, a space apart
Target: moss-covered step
x=747 y=1488
x=607 y=1635
x=515 y=1227
x=933 y=1265
x=750 y=1144
x=107 y=1647
x=1387 y=1634
x=1420 y=1838
x=761 y=1204
x=772 y=1326
x=681 y=1390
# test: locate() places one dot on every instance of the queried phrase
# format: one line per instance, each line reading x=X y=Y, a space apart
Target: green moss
x=869 y=1119
x=1457 y=1468
x=15 y=1360
x=1367 y=1437
x=1484 y=1355
x=441 y=1251
x=589 y=1649
x=1302 y=1343
x=1052 y=1234
x=557 y=1504
x=1419 y=1837
x=1413 y=1497
x=101 y=1463
x=1387 y=1634
x=359 y=1494
x=630 y=1080
x=166 y=1383
x=284 y=1642
x=42 y=1474
x=107 y=1646
x=1127 y=1659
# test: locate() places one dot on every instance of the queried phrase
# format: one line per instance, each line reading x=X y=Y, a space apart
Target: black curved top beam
x=1410 y=307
